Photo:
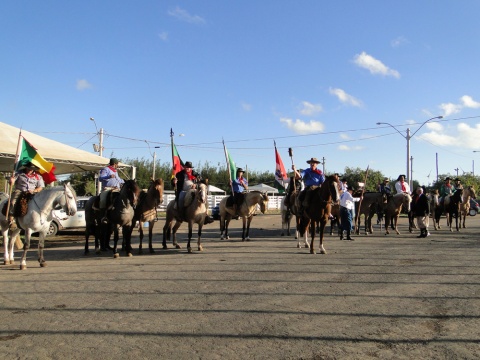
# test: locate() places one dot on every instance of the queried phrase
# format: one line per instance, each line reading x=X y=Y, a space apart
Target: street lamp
x=408 y=137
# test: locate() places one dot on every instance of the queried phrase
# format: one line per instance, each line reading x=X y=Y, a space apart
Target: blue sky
x=315 y=76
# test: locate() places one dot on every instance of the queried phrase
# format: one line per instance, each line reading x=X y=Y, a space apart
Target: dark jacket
x=421 y=205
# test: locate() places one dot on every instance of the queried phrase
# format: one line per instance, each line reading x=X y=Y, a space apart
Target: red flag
x=280 y=174
x=177 y=162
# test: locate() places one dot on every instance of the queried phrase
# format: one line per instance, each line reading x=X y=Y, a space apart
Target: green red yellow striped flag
x=28 y=154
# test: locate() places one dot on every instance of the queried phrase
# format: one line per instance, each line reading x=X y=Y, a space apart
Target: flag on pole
x=177 y=161
x=29 y=154
x=232 y=169
x=280 y=174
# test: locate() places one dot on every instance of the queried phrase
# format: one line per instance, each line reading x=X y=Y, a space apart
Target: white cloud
x=434 y=126
x=450 y=108
x=163 y=36
x=309 y=109
x=345 y=98
x=183 y=15
x=302 y=127
x=83 y=85
x=468 y=101
x=246 y=107
x=465 y=136
x=399 y=41
x=411 y=122
x=373 y=65
x=344 y=136
x=344 y=148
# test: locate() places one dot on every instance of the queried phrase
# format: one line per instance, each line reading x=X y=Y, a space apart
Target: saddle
x=21 y=206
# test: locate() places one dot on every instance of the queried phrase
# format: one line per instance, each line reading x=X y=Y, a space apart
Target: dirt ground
x=388 y=297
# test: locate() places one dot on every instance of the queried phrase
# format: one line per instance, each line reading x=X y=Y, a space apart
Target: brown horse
x=246 y=211
x=194 y=213
x=453 y=207
x=146 y=210
x=320 y=207
x=468 y=193
x=370 y=204
x=393 y=209
x=434 y=203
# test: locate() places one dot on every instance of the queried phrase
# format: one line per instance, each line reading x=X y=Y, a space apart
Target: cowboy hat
x=447 y=178
x=188 y=164
x=386 y=179
x=313 y=160
x=240 y=170
x=31 y=166
x=113 y=161
x=457 y=179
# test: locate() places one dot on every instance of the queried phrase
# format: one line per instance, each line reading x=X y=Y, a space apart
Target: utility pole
x=323 y=164
x=456 y=171
x=410 y=176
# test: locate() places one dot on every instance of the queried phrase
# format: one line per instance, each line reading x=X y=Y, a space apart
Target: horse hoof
x=164 y=247
x=116 y=255
x=312 y=252
x=322 y=251
x=23 y=267
x=189 y=250
x=129 y=254
x=178 y=246
x=200 y=248
x=222 y=238
x=152 y=251
x=6 y=262
x=298 y=246
x=43 y=264
x=307 y=246
x=243 y=240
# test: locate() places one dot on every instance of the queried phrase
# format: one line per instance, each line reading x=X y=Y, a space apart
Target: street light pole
x=407 y=137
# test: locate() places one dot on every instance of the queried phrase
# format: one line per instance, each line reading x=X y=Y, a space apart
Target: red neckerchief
x=448 y=185
x=404 y=189
x=319 y=172
x=190 y=175
x=112 y=168
x=240 y=180
x=34 y=175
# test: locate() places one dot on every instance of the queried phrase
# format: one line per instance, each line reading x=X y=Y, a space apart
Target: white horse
x=37 y=219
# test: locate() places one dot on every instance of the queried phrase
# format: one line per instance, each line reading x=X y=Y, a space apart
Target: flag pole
x=228 y=165
x=173 y=161
x=290 y=153
x=275 y=146
x=13 y=173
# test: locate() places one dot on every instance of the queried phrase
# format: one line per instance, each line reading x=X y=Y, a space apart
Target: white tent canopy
x=66 y=159
x=263 y=188
x=213 y=189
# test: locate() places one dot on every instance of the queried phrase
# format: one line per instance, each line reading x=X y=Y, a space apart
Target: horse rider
x=421 y=209
x=447 y=189
x=26 y=180
x=184 y=181
x=401 y=186
x=239 y=187
x=312 y=177
x=458 y=184
x=385 y=189
x=346 y=212
x=111 y=182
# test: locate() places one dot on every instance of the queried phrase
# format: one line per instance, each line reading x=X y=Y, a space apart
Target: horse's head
x=68 y=200
x=131 y=191
x=201 y=193
x=471 y=192
x=156 y=189
x=264 y=203
x=457 y=196
x=330 y=188
x=407 y=200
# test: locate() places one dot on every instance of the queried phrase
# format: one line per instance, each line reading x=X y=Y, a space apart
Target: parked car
x=474 y=207
x=62 y=221
x=216 y=213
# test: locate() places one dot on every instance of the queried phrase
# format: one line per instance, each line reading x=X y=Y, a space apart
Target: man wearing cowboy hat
x=401 y=186
x=239 y=187
x=458 y=184
x=111 y=182
x=312 y=178
x=26 y=181
x=447 y=189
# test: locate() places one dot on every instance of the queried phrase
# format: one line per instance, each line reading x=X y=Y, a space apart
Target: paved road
x=377 y=297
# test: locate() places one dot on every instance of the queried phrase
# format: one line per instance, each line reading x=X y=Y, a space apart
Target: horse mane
x=60 y=188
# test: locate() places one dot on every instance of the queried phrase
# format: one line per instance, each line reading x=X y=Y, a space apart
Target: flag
x=280 y=174
x=177 y=162
x=230 y=163
x=28 y=154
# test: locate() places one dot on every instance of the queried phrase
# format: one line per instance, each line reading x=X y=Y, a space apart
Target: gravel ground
x=395 y=297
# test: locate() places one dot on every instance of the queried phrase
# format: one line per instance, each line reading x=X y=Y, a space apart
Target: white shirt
x=347 y=200
x=398 y=187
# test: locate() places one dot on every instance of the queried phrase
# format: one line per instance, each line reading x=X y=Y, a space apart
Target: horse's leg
x=190 y=232
x=395 y=219
x=323 y=223
x=140 y=230
x=166 y=233
x=249 y=220
x=174 y=234
x=387 y=223
x=199 y=240
x=41 y=247
x=127 y=239
x=26 y=246
x=6 y=242
x=312 y=231
x=244 y=226
x=150 y=236
x=115 y=242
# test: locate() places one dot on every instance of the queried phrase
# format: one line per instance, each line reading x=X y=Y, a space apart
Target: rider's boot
x=208 y=219
x=421 y=234
x=12 y=224
x=235 y=217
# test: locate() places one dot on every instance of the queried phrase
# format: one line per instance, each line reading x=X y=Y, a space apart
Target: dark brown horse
x=146 y=210
x=321 y=201
x=370 y=204
x=453 y=208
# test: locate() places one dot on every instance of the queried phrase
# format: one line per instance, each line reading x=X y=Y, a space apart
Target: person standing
x=347 y=205
x=26 y=181
x=421 y=209
x=401 y=186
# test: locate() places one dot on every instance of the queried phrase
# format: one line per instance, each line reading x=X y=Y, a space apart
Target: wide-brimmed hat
x=188 y=164
x=313 y=160
x=113 y=161
x=447 y=178
x=386 y=179
x=240 y=170
x=31 y=166
x=457 y=179
x=399 y=176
